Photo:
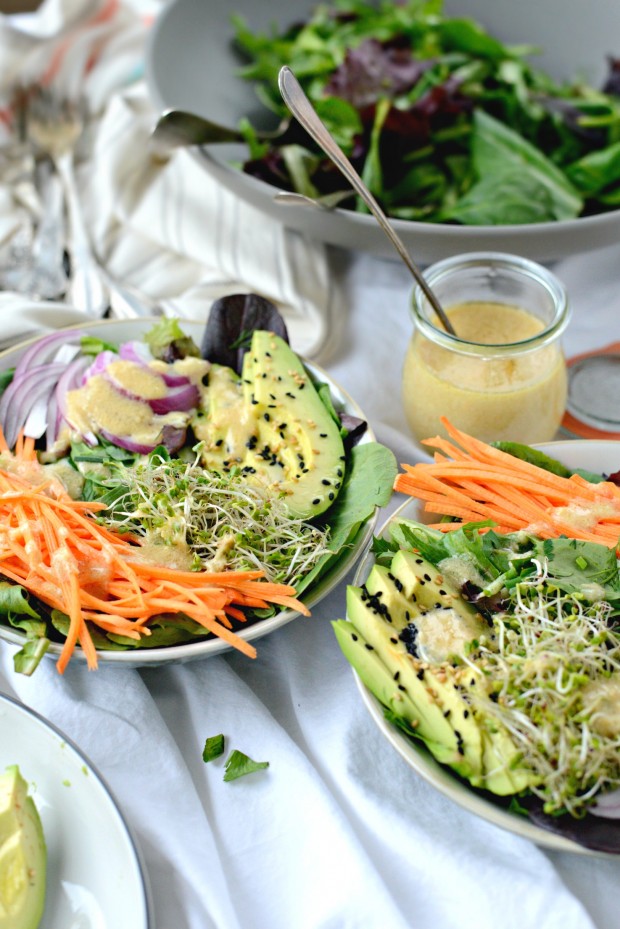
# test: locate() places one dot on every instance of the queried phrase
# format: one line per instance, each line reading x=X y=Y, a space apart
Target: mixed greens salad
x=444 y=122
x=167 y=444
x=500 y=652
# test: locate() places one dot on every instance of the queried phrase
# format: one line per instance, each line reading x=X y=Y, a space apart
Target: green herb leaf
x=167 y=333
x=214 y=747
x=91 y=345
x=239 y=764
x=27 y=659
x=15 y=599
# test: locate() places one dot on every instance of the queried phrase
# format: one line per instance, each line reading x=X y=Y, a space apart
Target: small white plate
x=95 y=878
x=117 y=331
x=596 y=456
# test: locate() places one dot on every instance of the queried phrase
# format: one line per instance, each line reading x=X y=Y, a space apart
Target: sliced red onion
x=53 y=421
x=36 y=421
x=140 y=353
x=607 y=805
x=100 y=364
x=176 y=399
x=43 y=350
x=124 y=441
x=66 y=353
x=70 y=379
x=136 y=351
x=89 y=438
x=182 y=398
x=121 y=389
x=174 y=380
x=14 y=387
x=23 y=393
x=172 y=437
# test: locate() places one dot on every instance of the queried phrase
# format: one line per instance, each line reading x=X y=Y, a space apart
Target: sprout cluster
x=549 y=649
x=223 y=521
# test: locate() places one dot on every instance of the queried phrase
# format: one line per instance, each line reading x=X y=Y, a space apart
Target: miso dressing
x=515 y=395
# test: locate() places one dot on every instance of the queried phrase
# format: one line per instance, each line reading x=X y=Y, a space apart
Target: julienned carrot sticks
x=472 y=481
x=51 y=545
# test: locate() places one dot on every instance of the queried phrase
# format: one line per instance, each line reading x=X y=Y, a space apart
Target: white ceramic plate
x=597 y=456
x=95 y=878
x=116 y=331
x=191 y=65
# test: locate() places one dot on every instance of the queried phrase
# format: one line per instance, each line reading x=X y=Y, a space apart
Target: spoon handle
x=302 y=109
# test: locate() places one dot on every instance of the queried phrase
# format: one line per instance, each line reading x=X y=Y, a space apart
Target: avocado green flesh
x=442 y=701
x=377 y=678
x=272 y=424
x=418 y=684
x=23 y=855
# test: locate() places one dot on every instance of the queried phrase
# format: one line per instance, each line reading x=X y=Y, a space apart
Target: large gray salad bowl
x=191 y=65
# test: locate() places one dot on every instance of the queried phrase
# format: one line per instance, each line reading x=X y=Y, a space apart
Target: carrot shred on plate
x=471 y=481
x=51 y=545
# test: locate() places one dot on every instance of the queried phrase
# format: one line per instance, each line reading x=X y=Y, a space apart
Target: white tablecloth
x=338 y=831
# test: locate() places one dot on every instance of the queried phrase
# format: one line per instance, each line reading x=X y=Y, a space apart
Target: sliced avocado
x=272 y=424
x=416 y=625
x=447 y=625
x=431 y=588
x=490 y=754
x=502 y=773
x=373 y=627
x=23 y=855
x=376 y=676
x=225 y=423
x=388 y=615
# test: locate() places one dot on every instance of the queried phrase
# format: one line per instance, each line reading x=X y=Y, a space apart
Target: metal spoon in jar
x=306 y=115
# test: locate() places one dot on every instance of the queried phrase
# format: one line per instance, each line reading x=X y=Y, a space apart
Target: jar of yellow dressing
x=503 y=375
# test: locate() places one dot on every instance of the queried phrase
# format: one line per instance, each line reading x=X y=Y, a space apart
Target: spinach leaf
x=371 y=472
x=498 y=151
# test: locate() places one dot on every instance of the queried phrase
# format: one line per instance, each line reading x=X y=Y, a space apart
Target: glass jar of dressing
x=503 y=375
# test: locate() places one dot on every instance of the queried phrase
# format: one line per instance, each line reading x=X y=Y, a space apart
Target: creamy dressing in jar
x=518 y=397
x=503 y=375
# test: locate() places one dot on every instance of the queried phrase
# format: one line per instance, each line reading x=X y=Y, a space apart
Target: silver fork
x=55 y=125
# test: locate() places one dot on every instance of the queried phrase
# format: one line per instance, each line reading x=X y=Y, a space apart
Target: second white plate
x=95 y=877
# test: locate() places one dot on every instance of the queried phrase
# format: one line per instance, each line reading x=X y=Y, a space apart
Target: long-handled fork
x=54 y=126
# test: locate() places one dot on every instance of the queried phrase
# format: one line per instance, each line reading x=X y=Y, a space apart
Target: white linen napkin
x=165 y=228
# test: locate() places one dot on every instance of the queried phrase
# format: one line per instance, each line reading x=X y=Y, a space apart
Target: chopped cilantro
x=214 y=747
x=238 y=765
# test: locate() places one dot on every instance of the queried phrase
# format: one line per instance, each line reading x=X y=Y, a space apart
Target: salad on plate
x=492 y=636
x=165 y=491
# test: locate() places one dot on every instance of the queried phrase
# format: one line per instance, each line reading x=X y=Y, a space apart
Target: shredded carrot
x=51 y=545
x=472 y=481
